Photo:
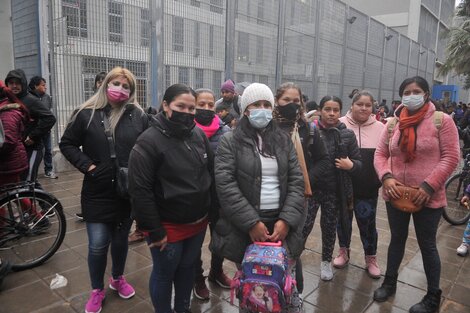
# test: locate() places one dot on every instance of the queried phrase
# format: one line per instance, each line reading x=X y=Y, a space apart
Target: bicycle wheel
x=32 y=228
x=455 y=213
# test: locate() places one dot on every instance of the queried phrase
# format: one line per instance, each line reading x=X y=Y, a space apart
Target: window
x=167 y=76
x=260 y=16
x=115 y=21
x=216 y=6
x=141 y=91
x=178 y=34
x=183 y=75
x=92 y=65
x=197 y=40
x=196 y=3
x=144 y=27
x=88 y=83
x=216 y=80
x=211 y=40
x=74 y=12
x=198 y=78
x=260 y=50
x=243 y=48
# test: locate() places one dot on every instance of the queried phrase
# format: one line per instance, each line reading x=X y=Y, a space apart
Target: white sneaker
x=462 y=250
x=326 y=271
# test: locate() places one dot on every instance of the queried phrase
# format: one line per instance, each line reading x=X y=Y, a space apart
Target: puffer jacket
x=13 y=157
x=215 y=139
x=437 y=156
x=348 y=145
x=366 y=184
x=41 y=118
x=99 y=200
x=238 y=182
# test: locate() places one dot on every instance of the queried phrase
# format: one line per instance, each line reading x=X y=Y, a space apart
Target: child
x=462 y=250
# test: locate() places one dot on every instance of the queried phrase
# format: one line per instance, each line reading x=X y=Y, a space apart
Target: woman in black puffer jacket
x=335 y=194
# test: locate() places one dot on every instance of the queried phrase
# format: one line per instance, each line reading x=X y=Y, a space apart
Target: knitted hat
x=256 y=92
x=228 y=85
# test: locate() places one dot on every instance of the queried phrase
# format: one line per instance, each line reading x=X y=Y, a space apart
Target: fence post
x=156 y=52
x=52 y=70
x=396 y=67
x=316 y=51
x=280 y=43
x=343 y=54
x=230 y=12
x=366 y=52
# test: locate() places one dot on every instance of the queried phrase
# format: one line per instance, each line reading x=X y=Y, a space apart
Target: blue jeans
x=100 y=236
x=47 y=142
x=174 y=266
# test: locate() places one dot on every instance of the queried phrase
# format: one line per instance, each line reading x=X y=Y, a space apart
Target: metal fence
x=324 y=46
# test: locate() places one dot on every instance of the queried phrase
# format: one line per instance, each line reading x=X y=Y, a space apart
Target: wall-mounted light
x=352 y=19
x=388 y=37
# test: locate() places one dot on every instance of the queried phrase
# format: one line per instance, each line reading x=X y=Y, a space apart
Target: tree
x=458 y=46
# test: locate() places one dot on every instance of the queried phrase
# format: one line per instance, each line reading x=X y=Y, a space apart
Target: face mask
x=289 y=111
x=413 y=102
x=117 y=93
x=204 y=117
x=260 y=118
x=183 y=118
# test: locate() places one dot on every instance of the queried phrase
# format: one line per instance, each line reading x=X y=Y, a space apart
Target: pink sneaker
x=123 y=288
x=372 y=267
x=342 y=259
x=95 y=301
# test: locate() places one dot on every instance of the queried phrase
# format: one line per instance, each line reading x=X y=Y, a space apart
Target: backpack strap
x=438 y=119
x=390 y=126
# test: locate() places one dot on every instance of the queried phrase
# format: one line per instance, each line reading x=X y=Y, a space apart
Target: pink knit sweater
x=437 y=155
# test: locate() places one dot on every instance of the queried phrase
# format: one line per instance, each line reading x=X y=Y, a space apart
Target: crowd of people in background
x=254 y=166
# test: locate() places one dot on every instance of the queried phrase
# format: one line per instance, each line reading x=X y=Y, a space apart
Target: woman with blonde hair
x=106 y=127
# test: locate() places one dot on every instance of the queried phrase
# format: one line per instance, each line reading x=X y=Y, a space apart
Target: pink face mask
x=117 y=93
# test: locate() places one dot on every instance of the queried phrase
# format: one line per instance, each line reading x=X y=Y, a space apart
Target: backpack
x=438 y=119
x=263 y=285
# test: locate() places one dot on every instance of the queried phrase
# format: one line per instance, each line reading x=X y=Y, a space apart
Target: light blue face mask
x=260 y=118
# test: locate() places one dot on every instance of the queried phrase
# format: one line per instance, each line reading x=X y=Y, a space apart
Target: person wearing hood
x=37 y=87
x=230 y=99
x=416 y=152
x=41 y=121
x=335 y=194
x=214 y=128
x=171 y=183
x=365 y=184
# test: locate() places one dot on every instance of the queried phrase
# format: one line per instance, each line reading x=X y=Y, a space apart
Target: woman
x=335 y=194
x=170 y=185
x=365 y=184
x=259 y=183
x=416 y=153
x=107 y=215
x=289 y=114
x=214 y=128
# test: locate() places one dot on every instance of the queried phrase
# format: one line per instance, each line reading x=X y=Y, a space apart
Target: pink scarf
x=210 y=129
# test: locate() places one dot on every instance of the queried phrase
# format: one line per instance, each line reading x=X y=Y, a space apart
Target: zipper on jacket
x=187 y=146
x=360 y=144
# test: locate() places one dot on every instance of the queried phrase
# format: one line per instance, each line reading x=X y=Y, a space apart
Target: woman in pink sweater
x=421 y=151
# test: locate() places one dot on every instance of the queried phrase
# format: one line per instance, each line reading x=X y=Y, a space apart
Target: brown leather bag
x=405 y=203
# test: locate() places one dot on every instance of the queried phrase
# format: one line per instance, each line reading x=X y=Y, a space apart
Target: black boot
x=429 y=304
x=388 y=288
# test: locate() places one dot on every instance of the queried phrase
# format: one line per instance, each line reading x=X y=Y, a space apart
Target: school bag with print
x=263 y=285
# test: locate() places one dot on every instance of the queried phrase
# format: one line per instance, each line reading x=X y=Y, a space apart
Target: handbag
x=121 y=178
x=405 y=203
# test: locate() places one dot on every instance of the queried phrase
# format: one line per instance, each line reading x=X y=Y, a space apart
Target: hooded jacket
x=366 y=184
x=41 y=118
x=437 y=155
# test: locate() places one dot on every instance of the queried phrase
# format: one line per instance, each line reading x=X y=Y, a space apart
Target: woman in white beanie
x=259 y=183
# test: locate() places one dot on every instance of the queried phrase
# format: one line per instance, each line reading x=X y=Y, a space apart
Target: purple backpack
x=263 y=285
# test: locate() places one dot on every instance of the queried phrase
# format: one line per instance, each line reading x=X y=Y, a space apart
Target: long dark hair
x=271 y=137
x=420 y=81
x=325 y=99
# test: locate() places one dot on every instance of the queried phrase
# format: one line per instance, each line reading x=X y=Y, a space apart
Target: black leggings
x=425 y=222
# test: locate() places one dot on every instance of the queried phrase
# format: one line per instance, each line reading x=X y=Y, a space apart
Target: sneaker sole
x=462 y=254
x=96 y=311
x=372 y=276
x=340 y=266
x=199 y=297
x=222 y=285
x=124 y=297
x=326 y=278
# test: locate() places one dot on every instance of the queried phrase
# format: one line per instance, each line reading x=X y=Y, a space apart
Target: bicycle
x=455 y=212
x=32 y=225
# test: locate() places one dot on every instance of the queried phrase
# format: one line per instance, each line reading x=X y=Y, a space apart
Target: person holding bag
x=106 y=127
x=421 y=150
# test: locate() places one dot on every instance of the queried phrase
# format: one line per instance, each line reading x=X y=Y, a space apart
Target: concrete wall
x=380 y=7
x=6 y=38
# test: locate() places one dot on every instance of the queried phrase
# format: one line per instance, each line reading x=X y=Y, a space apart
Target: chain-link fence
x=324 y=46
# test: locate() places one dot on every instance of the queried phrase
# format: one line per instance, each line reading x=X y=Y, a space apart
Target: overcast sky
x=457 y=2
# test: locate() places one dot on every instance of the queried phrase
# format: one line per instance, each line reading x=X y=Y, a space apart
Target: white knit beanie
x=256 y=92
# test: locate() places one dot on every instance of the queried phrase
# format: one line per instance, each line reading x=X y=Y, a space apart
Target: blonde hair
x=100 y=99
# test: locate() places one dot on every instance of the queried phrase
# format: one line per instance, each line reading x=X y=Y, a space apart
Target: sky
x=457 y=2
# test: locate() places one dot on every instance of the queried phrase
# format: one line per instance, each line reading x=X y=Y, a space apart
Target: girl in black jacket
x=335 y=194
x=170 y=184
x=107 y=215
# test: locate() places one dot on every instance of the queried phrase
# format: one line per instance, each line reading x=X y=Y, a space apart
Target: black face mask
x=204 y=117
x=183 y=118
x=289 y=111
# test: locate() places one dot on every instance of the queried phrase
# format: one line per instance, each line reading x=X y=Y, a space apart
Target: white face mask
x=413 y=102
x=260 y=118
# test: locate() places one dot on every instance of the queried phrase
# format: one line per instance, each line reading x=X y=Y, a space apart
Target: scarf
x=210 y=129
x=300 y=157
x=407 y=126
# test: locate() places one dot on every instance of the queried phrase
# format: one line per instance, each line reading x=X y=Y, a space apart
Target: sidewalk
x=350 y=290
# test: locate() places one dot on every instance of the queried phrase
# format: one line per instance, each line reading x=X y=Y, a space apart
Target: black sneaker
x=51 y=175
x=79 y=216
x=5 y=268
